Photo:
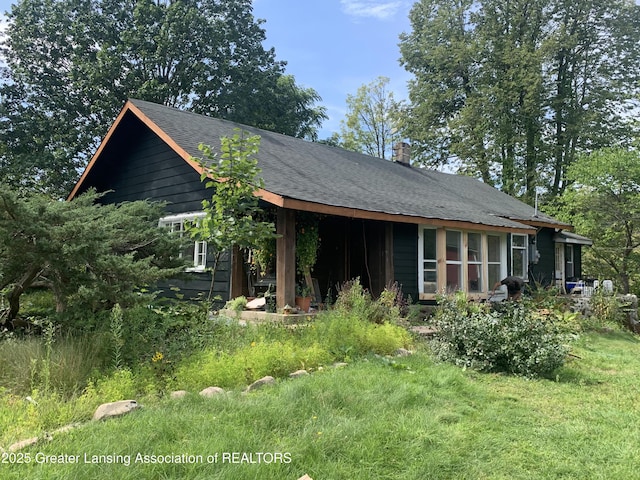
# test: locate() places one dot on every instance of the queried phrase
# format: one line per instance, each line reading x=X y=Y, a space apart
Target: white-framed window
x=428 y=247
x=494 y=260
x=195 y=251
x=475 y=257
x=454 y=260
x=569 y=265
x=519 y=255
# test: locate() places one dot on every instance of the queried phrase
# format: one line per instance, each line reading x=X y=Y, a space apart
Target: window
x=430 y=261
x=474 y=262
x=568 y=255
x=494 y=259
x=454 y=260
x=196 y=251
x=519 y=260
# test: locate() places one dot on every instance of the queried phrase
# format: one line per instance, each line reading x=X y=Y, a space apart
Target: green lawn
x=378 y=419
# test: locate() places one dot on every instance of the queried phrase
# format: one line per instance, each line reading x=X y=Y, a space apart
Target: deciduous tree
x=514 y=90
x=604 y=204
x=371 y=120
x=232 y=214
x=71 y=64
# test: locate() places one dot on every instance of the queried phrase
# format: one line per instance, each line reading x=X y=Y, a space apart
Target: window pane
x=494 y=248
x=519 y=269
x=474 y=249
x=454 y=280
x=453 y=246
x=494 y=274
x=474 y=273
x=429 y=244
x=518 y=241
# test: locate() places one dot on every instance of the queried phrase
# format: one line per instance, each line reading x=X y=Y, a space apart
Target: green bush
x=508 y=337
x=354 y=299
x=605 y=311
x=347 y=335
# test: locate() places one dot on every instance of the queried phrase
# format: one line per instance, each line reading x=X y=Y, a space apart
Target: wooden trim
x=98 y=152
x=130 y=107
x=537 y=223
x=348 y=212
x=285 y=258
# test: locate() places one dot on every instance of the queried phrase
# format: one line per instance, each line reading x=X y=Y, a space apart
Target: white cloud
x=370 y=8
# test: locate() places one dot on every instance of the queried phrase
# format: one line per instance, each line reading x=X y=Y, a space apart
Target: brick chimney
x=402 y=153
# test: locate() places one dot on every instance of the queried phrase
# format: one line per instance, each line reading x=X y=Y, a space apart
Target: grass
x=377 y=418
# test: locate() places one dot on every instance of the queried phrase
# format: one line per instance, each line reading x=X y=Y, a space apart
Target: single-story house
x=383 y=221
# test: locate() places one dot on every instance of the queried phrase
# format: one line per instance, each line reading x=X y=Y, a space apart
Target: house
x=379 y=220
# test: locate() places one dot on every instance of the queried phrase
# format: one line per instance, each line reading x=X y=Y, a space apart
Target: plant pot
x=303 y=303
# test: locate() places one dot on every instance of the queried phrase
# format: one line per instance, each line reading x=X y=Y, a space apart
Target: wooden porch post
x=285 y=258
x=238 y=279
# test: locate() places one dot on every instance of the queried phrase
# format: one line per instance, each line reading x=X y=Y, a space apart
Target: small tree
x=83 y=251
x=232 y=214
x=604 y=204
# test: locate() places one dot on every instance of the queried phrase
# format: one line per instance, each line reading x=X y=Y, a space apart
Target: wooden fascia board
x=165 y=138
x=302 y=205
x=541 y=224
x=96 y=155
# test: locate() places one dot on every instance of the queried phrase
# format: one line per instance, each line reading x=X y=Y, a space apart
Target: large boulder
x=115 y=409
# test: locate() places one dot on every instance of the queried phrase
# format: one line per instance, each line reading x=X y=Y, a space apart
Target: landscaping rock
x=256 y=304
x=178 y=394
x=23 y=444
x=403 y=352
x=211 y=392
x=114 y=409
x=298 y=373
x=340 y=364
x=305 y=477
x=268 y=380
x=66 y=428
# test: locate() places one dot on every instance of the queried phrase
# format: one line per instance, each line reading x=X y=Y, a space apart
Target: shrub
x=605 y=311
x=237 y=304
x=507 y=338
x=347 y=335
x=356 y=300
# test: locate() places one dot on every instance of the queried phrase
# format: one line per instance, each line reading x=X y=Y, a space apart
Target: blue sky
x=334 y=46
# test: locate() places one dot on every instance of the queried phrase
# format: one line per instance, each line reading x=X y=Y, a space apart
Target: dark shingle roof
x=318 y=173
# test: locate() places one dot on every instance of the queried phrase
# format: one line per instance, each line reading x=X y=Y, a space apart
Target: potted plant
x=303 y=297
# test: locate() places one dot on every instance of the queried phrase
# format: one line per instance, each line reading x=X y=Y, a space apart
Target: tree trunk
x=13 y=296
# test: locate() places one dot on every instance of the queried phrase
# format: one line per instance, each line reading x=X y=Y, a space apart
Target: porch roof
x=315 y=177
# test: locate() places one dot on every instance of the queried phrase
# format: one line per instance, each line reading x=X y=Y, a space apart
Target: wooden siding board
x=543 y=272
x=405 y=258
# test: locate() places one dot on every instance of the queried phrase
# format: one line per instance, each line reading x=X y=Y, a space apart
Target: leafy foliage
x=509 y=338
x=232 y=215
x=71 y=64
x=513 y=90
x=88 y=254
x=372 y=115
x=603 y=204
